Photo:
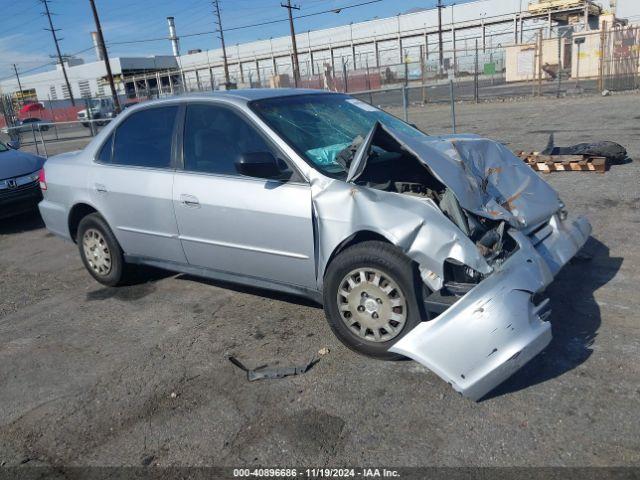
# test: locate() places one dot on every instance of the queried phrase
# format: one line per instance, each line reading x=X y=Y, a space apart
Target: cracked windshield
x=326 y=129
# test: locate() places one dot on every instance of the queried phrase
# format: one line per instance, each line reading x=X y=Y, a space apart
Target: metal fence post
x=90 y=118
x=578 y=65
x=560 y=63
x=405 y=103
x=476 y=90
x=539 y=66
x=369 y=81
x=345 y=81
x=603 y=36
x=35 y=140
x=423 y=78
x=406 y=68
x=44 y=144
x=453 y=106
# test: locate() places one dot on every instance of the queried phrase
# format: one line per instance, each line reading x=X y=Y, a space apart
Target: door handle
x=100 y=188
x=189 y=201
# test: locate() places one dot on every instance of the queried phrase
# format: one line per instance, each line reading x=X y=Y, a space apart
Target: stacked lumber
x=563 y=163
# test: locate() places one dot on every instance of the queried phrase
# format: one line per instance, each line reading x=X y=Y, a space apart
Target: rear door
x=132 y=188
x=249 y=226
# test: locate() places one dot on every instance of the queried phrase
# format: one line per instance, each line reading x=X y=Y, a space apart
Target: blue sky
x=24 y=41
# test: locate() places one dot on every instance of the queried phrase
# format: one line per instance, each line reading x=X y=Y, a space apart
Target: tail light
x=42 y=179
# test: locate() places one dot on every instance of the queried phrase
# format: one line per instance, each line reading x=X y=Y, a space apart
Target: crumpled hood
x=14 y=163
x=485 y=176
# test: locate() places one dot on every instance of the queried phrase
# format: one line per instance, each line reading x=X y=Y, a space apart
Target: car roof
x=250 y=94
x=241 y=96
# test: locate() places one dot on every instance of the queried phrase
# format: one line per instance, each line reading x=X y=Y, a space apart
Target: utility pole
x=224 y=49
x=15 y=69
x=55 y=40
x=105 y=56
x=296 y=67
x=440 y=52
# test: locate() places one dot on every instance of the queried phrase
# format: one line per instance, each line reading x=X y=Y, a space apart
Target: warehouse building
x=86 y=79
x=379 y=42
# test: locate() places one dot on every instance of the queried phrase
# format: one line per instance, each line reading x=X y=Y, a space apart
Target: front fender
x=416 y=226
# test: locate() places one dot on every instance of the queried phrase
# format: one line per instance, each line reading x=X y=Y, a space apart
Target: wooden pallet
x=563 y=163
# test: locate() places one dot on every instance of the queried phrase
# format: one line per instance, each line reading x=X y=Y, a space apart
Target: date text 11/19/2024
x=315 y=472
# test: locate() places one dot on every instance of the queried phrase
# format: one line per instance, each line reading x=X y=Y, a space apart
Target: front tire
x=101 y=252
x=372 y=298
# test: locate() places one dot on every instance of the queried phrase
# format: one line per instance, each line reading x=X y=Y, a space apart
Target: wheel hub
x=372 y=305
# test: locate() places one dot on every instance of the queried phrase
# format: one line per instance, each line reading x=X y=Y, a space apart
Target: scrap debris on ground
x=581 y=157
x=266 y=372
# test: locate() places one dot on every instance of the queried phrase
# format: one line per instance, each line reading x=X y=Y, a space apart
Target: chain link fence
x=39 y=124
x=471 y=74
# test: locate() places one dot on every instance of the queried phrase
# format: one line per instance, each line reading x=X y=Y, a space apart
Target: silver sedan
x=435 y=248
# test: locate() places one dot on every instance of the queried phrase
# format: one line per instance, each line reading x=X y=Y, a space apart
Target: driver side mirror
x=259 y=164
x=14 y=144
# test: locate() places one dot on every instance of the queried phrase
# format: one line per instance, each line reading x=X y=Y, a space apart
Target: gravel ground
x=138 y=375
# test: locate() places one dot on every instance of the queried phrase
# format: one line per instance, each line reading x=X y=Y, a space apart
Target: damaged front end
x=500 y=324
x=486 y=232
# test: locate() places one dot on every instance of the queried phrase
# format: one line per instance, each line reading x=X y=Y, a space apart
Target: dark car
x=19 y=181
x=27 y=125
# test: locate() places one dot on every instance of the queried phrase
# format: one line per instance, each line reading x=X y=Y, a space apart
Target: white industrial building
x=370 y=44
x=410 y=37
x=86 y=79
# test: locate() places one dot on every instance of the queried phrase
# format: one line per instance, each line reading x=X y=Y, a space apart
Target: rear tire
x=372 y=298
x=100 y=251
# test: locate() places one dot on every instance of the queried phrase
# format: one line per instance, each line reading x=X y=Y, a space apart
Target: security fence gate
x=620 y=58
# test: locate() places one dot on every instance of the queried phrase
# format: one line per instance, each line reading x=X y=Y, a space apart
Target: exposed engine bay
x=393 y=168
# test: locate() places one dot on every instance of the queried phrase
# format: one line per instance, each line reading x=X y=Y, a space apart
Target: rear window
x=144 y=138
x=105 y=152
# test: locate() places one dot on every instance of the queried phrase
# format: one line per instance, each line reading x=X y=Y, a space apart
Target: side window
x=105 y=152
x=144 y=139
x=215 y=137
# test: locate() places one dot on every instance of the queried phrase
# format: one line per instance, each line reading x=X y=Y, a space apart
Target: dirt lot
x=98 y=376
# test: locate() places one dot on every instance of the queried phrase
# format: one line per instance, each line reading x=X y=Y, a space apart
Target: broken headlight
x=460 y=273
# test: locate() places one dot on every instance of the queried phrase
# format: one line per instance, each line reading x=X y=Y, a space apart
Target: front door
x=248 y=226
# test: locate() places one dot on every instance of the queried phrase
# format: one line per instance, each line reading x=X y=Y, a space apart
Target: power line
x=48 y=64
x=55 y=40
x=260 y=24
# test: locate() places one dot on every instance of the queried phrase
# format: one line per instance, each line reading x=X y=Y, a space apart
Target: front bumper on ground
x=495 y=329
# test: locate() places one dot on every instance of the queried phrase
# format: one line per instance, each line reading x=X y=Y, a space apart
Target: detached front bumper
x=496 y=328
